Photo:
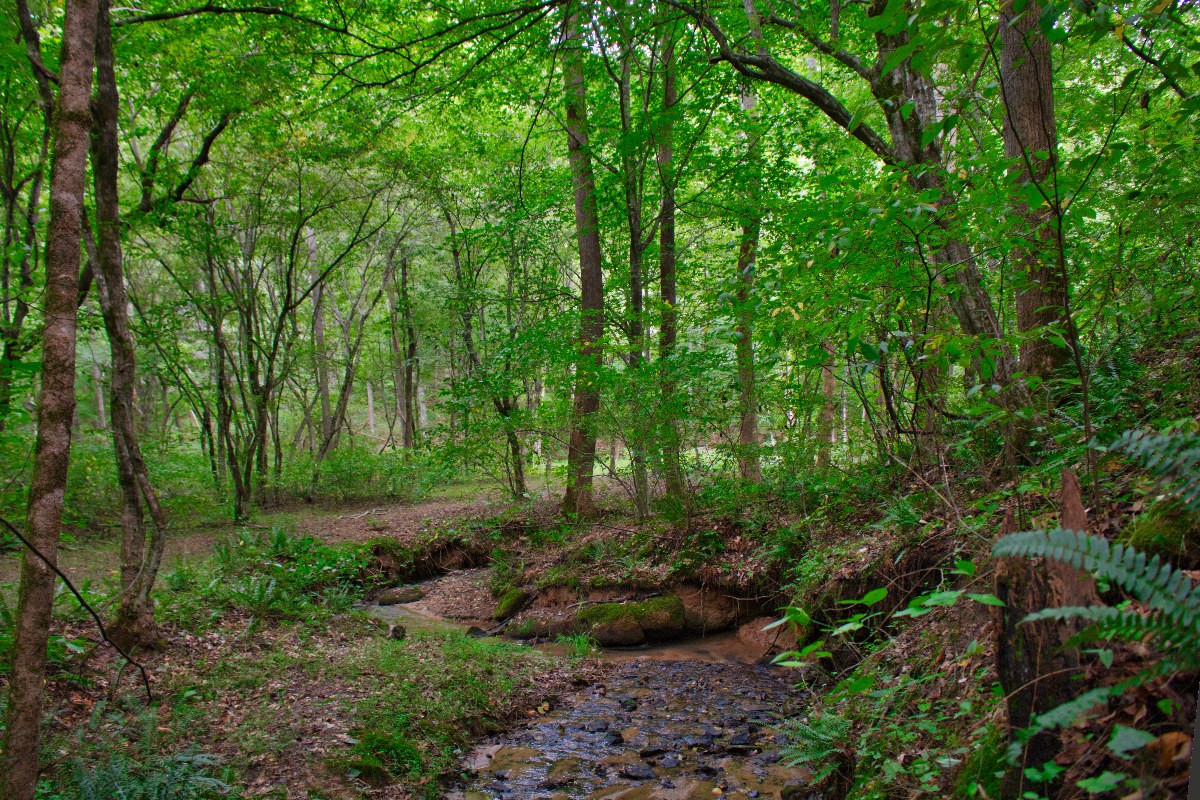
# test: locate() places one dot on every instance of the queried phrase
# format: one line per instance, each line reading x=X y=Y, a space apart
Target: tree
x=581 y=454
x=56 y=402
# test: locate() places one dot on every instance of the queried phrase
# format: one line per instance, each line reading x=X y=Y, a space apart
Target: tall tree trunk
x=98 y=391
x=409 y=436
x=319 y=339
x=581 y=455
x=56 y=406
x=638 y=421
x=1030 y=143
x=748 y=439
x=134 y=621
x=672 y=467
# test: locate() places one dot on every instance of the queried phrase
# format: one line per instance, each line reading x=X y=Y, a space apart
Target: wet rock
x=777 y=639
x=707 y=611
x=621 y=631
x=596 y=726
x=639 y=772
x=629 y=704
x=400 y=594
x=670 y=761
x=628 y=624
x=561 y=773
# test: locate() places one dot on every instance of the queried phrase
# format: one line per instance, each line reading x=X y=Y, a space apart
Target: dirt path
x=98 y=561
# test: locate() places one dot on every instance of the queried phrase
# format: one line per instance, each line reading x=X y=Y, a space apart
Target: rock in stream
x=652 y=729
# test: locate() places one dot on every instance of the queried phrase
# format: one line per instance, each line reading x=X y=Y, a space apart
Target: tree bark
x=1030 y=144
x=134 y=621
x=56 y=406
x=825 y=420
x=1035 y=666
x=635 y=318
x=748 y=438
x=581 y=454
x=672 y=467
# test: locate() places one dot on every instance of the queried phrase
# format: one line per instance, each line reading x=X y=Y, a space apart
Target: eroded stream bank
x=693 y=718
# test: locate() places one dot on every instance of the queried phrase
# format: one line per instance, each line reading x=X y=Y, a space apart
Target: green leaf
x=1104 y=782
x=986 y=599
x=1125 y=740
x=874 y=596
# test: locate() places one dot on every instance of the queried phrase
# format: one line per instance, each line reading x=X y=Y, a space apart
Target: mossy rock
x=1166 y=529
x=510 y=603
x=627 y=624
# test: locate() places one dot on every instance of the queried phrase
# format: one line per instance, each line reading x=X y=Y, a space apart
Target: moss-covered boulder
x=510 y=603
x=629 y=624
x=1166 y=529
x=400 y=594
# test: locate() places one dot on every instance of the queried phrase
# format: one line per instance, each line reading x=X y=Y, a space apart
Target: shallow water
x=652 y=729
x=694 y=718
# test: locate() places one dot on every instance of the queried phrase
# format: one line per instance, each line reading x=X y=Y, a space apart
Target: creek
x=694 y=718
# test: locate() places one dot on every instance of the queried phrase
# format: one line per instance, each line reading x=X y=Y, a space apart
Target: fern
x=814 y=743
x=1174 y=458
x=1152 y=581
x=1171 y=622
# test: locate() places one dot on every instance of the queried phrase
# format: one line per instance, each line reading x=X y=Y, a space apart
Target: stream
x=687 y=719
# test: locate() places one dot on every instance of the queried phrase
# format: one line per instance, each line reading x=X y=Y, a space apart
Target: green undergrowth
x=431 y=696
x=271 y=575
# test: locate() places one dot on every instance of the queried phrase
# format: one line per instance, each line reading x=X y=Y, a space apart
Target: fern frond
x=1126 y=625
x=1151 y=582
x=1174 y=458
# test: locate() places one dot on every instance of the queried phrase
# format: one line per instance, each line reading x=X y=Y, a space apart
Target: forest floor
x=273 y=666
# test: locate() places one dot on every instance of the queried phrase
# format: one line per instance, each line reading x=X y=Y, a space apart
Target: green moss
x=1166 y=529
x=510 y=603
x=663 y=612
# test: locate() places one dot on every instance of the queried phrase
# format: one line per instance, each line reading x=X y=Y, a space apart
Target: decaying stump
x=1036 y=668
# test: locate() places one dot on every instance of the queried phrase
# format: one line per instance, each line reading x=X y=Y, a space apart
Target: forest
x=561 y=399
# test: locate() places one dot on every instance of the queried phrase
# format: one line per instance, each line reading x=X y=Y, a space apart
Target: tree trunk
x=1035 y=666
x=639 y=427
x=581 y=454
x=672 y=467
x=748 y=439
x=56 y=406
x=1030 y=144
x=409 y=436
x=134 y=621
x=825 y=421
x=319 y=339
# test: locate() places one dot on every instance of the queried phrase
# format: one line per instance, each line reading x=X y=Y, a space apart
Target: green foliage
x=1173 y=457
x=1173 y=601
x=578 y=645
x=272 y=575
x=1170 y=621
x=176 y=777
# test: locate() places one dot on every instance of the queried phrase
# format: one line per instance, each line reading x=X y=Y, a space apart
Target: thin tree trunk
x=98 y=391
x=581 y=455
x=56 y=406
x=825 y=420
x=319 y=339
x=638 y=422
x=748 y=438
x=409 y=436
x=671 y=459
x=134 y=621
